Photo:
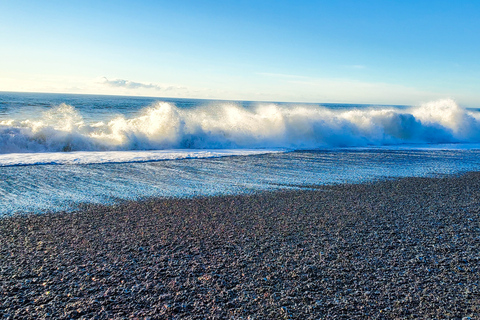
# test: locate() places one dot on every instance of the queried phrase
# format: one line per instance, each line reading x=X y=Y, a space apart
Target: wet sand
x=408 y=248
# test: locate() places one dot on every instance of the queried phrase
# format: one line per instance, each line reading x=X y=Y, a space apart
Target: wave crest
x=165 y=126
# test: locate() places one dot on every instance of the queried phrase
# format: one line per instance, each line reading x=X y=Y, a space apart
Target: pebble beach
x=394 y=249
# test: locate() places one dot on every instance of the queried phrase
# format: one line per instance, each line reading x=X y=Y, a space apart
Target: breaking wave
x=164 y=126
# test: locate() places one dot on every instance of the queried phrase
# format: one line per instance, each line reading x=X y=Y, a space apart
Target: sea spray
x=229 y=125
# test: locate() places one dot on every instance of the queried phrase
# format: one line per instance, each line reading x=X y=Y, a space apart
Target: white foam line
x=90 y=157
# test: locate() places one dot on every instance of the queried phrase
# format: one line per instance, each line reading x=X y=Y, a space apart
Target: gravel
x=399 y=249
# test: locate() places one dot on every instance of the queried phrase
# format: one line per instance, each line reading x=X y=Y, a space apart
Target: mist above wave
x=163 y=125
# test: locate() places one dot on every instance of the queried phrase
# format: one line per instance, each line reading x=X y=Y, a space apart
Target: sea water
x=60 y=151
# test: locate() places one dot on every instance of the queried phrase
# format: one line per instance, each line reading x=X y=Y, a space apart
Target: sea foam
x=91 y=157
x=164 y=126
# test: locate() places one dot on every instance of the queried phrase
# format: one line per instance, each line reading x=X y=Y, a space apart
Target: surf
x=165 y=126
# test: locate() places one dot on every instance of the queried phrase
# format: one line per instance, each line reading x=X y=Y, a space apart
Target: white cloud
x=260 y=87
x=127 y=84
x=123 y=86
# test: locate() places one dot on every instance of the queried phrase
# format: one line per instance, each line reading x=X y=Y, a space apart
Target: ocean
x=61 y=151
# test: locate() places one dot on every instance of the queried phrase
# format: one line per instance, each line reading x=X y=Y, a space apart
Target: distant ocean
x=59 y=151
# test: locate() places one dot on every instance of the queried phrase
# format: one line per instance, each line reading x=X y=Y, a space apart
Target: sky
x=382 y=52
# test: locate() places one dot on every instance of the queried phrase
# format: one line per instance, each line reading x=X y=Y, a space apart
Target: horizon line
x=211 y=99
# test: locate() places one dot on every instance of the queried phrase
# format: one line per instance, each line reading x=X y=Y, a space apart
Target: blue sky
x=395 y=52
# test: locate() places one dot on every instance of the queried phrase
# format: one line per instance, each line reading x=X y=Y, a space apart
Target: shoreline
x=399 y=248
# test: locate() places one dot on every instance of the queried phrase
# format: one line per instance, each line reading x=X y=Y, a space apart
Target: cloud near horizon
x=127 y=84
